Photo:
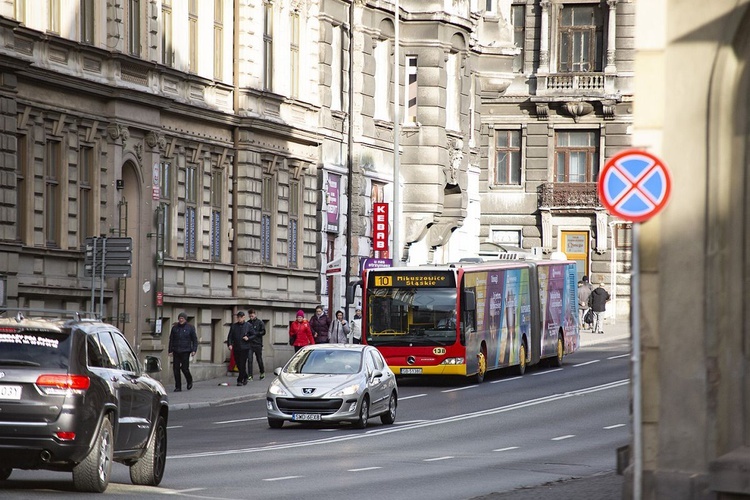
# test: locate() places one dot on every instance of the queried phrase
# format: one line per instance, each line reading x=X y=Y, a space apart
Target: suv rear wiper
x=18 y=362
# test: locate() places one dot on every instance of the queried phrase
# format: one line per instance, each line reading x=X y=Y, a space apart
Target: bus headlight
x=454 y=361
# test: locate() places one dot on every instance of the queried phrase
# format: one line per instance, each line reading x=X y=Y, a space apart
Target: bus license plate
x=307 y=417
x=10 y=392
x=411 y=371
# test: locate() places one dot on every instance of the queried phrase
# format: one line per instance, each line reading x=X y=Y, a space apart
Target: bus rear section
x=412 y=317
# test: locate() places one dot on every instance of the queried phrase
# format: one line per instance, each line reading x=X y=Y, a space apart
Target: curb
x=207 y=404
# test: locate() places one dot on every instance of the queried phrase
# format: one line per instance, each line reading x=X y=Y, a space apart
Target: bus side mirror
x=470 y=301
x=351 y=291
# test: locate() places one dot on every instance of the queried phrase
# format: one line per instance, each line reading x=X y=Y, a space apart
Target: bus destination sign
x=414 y=279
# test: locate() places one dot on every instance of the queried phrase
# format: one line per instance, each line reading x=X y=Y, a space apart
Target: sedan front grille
x=299 y=405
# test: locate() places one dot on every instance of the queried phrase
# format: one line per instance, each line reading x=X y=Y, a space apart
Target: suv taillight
x=63 y=384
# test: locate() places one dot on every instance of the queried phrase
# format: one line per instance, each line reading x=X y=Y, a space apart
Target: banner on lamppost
x=380 y=227
x=332 y=202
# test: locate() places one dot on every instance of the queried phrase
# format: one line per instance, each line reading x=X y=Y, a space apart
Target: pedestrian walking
x=300 y=333
x=183 y=343
x=598 y=303
x=338 y=332
x=355 y=328
x=584 y=291
x=256 y=331
x=320 y=323
x=239 y=343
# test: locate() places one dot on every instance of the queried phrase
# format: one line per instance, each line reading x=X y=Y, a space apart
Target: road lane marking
x=560 y=438
x=412 y=397
x=546 y=372
x=282 y=478
x=364 y=469
x=586 y=363
x=436 y=459
x=174 y=427
x=460 y=388
x=509 y=448
x=405 y=422
x=620 y=356
x=505 y=380
x=614 y=426
x=429 y=423
x=239 y=420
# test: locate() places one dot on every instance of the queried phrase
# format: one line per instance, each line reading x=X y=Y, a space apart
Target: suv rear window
x=39 y=348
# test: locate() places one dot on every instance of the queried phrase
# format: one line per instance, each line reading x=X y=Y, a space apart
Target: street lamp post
x=396 y=212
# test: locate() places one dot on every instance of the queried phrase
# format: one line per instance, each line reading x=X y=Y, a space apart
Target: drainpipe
x=235 y=142
x=349 y=161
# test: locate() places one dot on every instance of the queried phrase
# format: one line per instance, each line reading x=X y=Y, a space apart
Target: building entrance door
x=575 y=245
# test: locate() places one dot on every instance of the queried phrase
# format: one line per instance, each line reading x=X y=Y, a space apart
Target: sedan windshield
x=325 y=361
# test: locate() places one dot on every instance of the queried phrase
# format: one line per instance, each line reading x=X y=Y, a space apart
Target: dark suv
x=73 y=397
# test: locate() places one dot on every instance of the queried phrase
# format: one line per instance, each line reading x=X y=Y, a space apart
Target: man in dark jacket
x=239 y=343
x=256 y=330
x=183 y=343
x=598 y=304
x=319 y=324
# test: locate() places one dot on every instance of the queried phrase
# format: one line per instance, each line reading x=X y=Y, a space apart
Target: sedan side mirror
x=153 y=364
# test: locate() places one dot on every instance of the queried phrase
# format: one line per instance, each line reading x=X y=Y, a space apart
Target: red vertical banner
x=380 y=227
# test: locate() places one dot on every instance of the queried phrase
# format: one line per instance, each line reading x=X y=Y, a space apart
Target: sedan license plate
x=411 y=371
x=10 y=392
x=306 y=417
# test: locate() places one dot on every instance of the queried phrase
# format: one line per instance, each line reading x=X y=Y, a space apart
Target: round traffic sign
x=634 y=185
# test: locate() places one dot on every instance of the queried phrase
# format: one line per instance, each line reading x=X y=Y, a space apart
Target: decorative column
x=546 y=230
x=611 y=37
x=601 y=231
x=544 y=38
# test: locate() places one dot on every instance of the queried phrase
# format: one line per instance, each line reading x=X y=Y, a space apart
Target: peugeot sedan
x=333 y=383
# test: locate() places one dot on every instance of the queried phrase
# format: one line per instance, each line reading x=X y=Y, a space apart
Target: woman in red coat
x=300 y=334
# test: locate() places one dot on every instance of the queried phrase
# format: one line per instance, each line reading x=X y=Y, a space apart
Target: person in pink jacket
x=300 y=334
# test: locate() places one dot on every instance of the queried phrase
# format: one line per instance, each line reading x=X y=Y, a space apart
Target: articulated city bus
x=468 y=318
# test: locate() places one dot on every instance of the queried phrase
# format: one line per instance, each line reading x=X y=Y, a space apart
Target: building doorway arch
x=131 y=291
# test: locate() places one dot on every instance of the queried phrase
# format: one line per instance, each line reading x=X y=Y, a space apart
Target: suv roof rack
x=24 y=312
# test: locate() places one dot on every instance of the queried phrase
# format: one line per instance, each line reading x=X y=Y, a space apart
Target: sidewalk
x=212 y=392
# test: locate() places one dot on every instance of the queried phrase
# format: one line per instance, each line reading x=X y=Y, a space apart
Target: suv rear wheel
x=93 y=473
x=149 y=470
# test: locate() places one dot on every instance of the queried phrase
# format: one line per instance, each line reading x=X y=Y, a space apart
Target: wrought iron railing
x=569 y=195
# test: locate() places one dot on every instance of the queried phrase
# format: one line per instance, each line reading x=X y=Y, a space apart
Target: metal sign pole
x=101 y=294
x=93 y=277
x=635 y=322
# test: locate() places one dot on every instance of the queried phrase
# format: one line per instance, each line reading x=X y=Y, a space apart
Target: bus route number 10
x=383 y=280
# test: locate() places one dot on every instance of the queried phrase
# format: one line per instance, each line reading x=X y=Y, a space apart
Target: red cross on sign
x=634 y=185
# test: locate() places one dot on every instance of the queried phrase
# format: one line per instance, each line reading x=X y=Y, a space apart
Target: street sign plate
x=634 y=185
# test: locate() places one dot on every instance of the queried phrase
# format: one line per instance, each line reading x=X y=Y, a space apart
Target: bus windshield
x=411 y=316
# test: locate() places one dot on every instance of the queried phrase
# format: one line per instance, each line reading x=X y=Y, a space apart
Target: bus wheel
x=522 y=359
x=481 y=365
x=557 y=361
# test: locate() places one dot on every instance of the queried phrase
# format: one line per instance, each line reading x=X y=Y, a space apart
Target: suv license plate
x=10 y=392
x=306 y=416
x=411 y=371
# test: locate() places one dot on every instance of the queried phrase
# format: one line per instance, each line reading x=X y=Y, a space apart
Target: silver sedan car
x=333 y=383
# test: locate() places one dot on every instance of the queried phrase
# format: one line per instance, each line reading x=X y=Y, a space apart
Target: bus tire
x=557 y=361
x=521 y=369
x=481 y=364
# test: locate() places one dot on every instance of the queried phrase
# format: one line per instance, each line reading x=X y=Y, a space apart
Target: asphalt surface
x=224 y=390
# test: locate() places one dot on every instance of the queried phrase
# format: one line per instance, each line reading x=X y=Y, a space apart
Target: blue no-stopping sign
x=634 y=185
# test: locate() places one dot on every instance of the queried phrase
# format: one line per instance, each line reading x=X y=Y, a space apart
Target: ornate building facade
x=241 y=144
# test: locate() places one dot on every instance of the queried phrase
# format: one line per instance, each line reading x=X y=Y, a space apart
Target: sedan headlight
x=277 y=389
x=346 y=391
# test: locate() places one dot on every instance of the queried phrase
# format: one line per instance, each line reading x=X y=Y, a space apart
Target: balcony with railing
x=569 y=196
x=575 y=84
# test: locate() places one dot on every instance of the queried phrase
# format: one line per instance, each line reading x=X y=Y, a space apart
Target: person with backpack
x=598 y=304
